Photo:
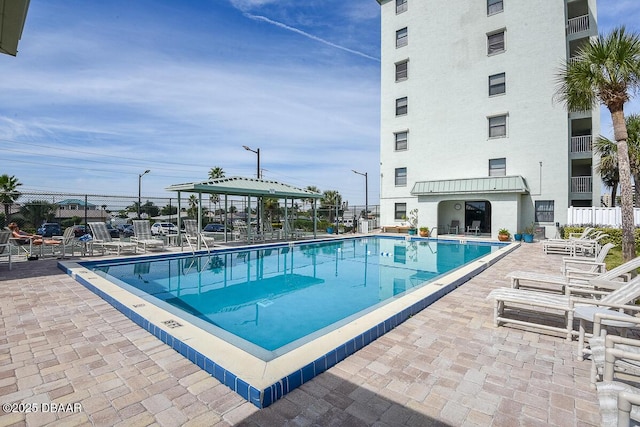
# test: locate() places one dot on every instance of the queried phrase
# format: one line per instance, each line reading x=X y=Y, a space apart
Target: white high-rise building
x=470 y=126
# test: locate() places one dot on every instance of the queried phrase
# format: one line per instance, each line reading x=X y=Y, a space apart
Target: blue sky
x=102 y=91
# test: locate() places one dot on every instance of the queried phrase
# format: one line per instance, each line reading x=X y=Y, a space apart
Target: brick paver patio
x=62 y=345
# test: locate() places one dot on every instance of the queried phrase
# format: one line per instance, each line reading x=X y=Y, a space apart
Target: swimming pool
x=267 y=319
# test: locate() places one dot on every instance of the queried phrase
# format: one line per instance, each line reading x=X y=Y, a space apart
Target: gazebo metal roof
x=240 y=186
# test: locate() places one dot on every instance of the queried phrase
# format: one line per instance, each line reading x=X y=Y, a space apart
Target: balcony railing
x=581 y=184
x=581 y=144
x=578 y=24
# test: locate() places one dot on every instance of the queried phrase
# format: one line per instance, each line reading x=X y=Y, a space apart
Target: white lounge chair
x=542 y=302
x=102 y=239
x=474 y=227
x=143 y=238
x=619 y=401
x=5 y=247
x=565 y=246
x=596 y=264
x=194 y=237
x=590 y=279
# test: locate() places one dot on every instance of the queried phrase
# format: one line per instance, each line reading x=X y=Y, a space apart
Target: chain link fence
x=31 y=209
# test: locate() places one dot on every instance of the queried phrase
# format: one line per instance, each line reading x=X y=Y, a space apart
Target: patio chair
x=143 y=238
x=454 y=227
x=289 y=231
x=596 y=264
x=619 y=401
x=575 y=279
x=587 y=243
x=603 y=339
x=102 y=239
x=474 y=227
x=68 y=241
x=5 y=247
x=194 y=237
x=542 y=302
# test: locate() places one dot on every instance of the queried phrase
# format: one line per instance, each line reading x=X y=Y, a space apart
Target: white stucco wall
x=449 y=105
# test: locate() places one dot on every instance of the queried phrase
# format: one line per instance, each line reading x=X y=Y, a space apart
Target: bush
x=614 y=234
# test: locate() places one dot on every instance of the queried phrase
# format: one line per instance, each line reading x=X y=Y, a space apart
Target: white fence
x=599 y=216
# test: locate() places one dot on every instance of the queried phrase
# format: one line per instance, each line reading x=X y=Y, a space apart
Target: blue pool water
x=276 y=296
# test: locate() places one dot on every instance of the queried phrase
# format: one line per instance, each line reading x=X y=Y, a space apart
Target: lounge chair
x=602 y=339
x=143 y=238
x=596 y=264
x=194 y=237
x=542 y=302
x=102 y=239
x=454 y=227
x=289 y=231
x=573 y=277
x=474 y=227
x=565 y=246
x=5 y=247
x=68 y=241
x=619 y=401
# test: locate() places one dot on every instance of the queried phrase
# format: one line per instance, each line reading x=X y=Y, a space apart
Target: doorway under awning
x=484 y=185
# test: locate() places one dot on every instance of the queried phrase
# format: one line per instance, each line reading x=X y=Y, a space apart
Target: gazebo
x=246 y=187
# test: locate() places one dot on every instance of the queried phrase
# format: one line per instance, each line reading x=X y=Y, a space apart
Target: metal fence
x=33 y=208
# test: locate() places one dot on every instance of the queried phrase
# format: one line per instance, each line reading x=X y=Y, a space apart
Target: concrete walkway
x=64 y=348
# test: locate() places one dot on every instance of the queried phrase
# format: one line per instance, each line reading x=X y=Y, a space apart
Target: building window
x=402 y=37
x=495 y=43
x=544 y=210
x=401 y=177
x=497 y=84
x=401 y=6
x=498 y=167
x=498 y=126
x=494 y=6
x=400 y=211
x=402 y=70
x=401 y=140
x=401 y=106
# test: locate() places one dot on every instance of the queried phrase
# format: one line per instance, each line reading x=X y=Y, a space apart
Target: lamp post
x=366 y=194
x=140 y=189
x=257 y=151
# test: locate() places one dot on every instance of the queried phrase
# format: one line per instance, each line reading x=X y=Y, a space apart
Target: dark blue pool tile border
x=265 y=397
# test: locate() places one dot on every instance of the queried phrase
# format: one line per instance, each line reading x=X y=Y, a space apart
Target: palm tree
x=608 y=165
x=608 y=151
x=310 y=188
x=216 y=173
x=8 y=192
x=607 y=71
x=330 y=199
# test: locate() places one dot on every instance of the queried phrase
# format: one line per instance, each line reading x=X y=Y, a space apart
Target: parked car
x=79 y=230
x=163 y=228
x=126 y=230
x=213 y=228
x=113 y=232
x=48 y=229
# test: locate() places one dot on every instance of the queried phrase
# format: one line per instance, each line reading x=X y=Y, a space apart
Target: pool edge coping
x=265 y=382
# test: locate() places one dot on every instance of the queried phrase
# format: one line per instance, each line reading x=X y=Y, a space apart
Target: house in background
x=70 y=208
x=470 y=129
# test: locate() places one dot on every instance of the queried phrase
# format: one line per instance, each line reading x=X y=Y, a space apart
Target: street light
x=366 y=194
x=140 y=189
x=257 y=151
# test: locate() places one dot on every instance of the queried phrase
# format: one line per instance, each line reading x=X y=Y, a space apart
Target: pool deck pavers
x=446 y=366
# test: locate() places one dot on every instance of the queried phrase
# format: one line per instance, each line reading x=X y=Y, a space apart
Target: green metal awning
x=240 y=186
x=492 y=184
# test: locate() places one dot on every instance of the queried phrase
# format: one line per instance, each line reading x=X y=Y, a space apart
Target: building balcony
x=578 y=24
x=581 y=184
x=581 y=144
